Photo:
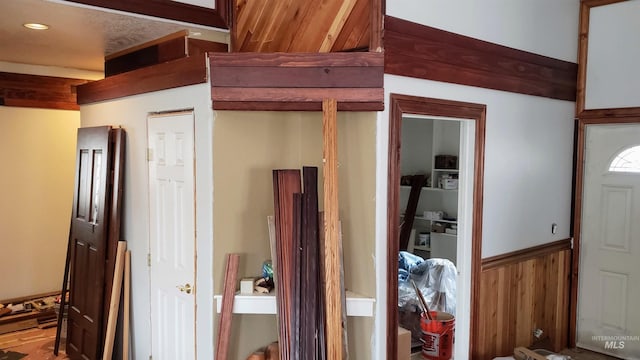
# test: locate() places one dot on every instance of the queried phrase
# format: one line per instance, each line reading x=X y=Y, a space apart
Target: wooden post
x=333 y=303
x=115 y=301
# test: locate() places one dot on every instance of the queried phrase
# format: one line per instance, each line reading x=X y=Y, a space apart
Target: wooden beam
x=228 y=294
x=35 y=91
x=424 y=52
x=282 y=81
x=172 y=74
x=331 y=229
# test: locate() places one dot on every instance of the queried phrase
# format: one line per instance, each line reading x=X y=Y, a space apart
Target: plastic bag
x=436 y=279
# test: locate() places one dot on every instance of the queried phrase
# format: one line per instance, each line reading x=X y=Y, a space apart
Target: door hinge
x=149 y=259
x=572 y=243
x=149 y=154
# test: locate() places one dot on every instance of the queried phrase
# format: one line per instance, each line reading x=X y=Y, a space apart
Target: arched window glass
x=627 y=161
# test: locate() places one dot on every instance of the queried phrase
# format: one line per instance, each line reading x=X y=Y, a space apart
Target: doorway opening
x=470 y=119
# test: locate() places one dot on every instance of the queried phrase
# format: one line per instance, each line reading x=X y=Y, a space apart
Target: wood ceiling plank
x=289 y=26
x=355 y=32
x=337 y=24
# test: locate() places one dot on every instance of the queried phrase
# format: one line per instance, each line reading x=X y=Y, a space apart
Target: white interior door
x=172 y=235
x=609 y=286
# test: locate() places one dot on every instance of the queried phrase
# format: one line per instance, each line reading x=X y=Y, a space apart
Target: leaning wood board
x=115 y=301
x=224 y=325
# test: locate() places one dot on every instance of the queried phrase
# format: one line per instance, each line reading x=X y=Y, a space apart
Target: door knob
x=186 y=288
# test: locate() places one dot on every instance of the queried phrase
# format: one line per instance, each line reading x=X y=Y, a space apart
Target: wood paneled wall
x=520 y=292
x=37 y=91
x=424 y=52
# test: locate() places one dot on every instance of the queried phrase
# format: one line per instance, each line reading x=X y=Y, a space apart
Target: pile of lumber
x=27 y=312
x=298 y=265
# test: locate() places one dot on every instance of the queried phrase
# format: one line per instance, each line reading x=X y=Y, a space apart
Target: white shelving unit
x=423 y=141
x=357 y=305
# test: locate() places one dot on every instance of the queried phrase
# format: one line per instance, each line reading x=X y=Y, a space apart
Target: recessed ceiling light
x=36 y=26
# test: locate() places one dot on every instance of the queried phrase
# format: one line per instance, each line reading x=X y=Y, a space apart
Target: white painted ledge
x=357 y=305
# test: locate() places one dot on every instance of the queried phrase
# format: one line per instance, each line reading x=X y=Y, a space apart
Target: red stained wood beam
x=424 y=52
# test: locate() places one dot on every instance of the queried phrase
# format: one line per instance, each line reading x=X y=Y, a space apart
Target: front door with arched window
x=608 y=318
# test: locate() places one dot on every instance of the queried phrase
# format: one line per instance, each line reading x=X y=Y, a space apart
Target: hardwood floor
x=36 y=343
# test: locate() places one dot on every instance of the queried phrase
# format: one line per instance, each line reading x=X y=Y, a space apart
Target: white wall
x=37 y=152
x=545 y=27
x=528 y=155
x=613 y=75
x=131 y=113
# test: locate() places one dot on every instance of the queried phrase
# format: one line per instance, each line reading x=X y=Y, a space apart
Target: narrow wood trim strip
x=376 y=24
x=583 y=43
x=296 y=94
x=421 y=51
x=294 y=106
x=404 y=104
x=172 y=74
x=173 y=10
x=610 y=113
x=525 y=254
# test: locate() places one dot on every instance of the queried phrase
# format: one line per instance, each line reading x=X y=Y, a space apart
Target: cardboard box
x=437 y=228
x=404 y=344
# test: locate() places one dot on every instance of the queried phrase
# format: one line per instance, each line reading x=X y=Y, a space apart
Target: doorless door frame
x=404 y=104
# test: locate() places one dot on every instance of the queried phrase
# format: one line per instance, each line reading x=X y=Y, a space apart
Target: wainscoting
x=522 y=291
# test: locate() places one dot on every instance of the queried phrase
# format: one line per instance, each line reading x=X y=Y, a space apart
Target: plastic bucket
x=437 y=335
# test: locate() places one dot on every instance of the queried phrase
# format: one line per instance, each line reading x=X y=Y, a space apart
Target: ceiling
x=79 y=36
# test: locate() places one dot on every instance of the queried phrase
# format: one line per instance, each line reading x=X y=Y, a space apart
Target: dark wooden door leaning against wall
x=88 y=243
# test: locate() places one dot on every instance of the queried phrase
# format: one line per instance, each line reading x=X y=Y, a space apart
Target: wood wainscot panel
x=172 y=74
x=520 y=292
x=290 y=82
x=37 y=91
x=424 y=52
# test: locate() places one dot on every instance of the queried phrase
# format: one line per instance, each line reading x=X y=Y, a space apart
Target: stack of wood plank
x=298 y=265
